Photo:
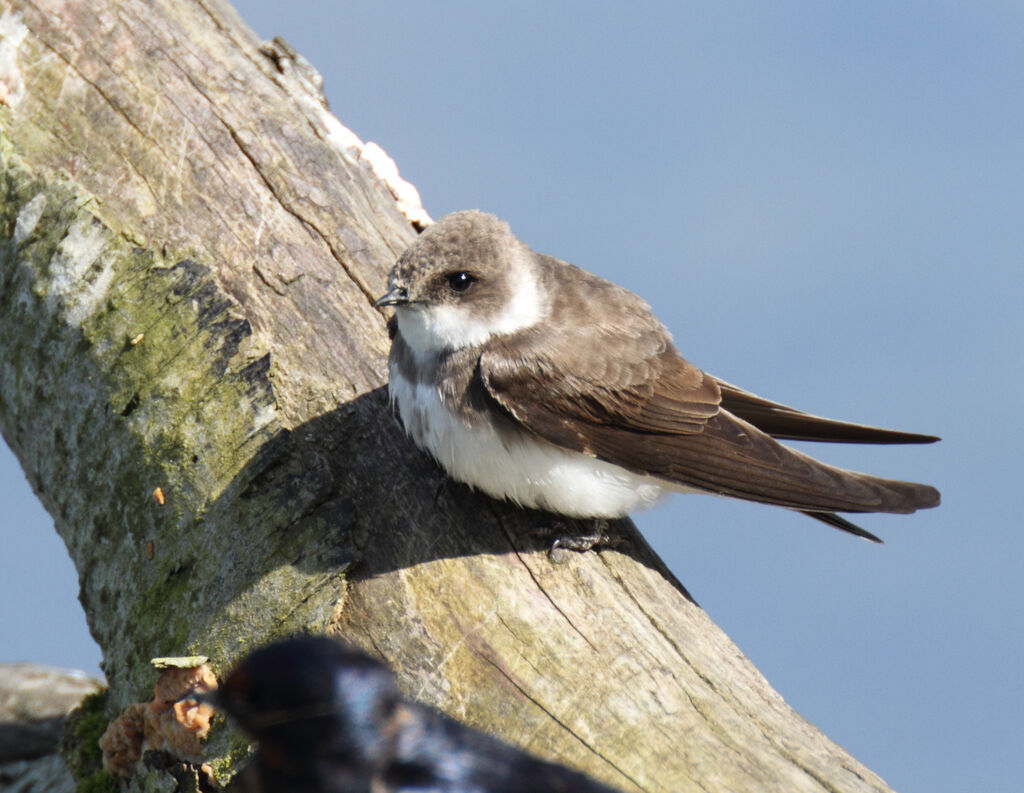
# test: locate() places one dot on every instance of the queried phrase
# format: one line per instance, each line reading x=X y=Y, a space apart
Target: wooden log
x=193 y=377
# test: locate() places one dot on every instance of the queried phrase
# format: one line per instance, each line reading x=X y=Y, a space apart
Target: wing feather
x=675 y=440
x=786 y=423
x=619 y=391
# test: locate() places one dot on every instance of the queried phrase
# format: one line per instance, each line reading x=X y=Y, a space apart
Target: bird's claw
x=578 y=535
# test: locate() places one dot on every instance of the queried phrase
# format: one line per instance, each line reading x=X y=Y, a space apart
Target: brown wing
x=728 y=457
x=618 y=390
x=618 y=371
x=661 y=395
x=836 y=522
x=633 y=427
x=786 y=423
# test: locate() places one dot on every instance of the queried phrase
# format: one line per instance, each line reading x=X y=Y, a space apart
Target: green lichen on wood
x=124 y=370
x=229 y=751
x=146 y=375
x=154 y=781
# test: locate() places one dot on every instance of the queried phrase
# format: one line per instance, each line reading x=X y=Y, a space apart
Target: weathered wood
x=190 y=248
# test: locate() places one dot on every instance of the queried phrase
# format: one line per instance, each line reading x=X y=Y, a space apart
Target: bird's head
x=465 y=279
x=310 y=692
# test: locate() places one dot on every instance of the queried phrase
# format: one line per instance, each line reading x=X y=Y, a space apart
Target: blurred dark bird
x=535 y=381
x=328 y=718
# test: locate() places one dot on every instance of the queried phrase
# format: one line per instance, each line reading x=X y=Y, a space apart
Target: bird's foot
x=568 y=534
x=442 y=491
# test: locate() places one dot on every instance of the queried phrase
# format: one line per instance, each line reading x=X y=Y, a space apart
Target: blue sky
x=825 y=206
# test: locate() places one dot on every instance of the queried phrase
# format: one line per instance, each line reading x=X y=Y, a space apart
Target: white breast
x=521 y=467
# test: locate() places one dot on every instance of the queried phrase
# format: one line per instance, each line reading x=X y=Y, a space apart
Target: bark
x=190 y=247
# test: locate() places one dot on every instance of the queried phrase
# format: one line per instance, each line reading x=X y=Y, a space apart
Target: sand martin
x=330 y=719
x=538 y=382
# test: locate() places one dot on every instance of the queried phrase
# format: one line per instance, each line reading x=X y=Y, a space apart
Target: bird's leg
x=589 y=534
x=570 y=534
x=442 y=490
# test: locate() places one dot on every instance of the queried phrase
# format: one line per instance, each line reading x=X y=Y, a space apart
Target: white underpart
x=430 y=329
x=526 y=469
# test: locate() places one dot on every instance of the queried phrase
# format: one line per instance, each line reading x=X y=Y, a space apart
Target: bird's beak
x=202 y=695
x=397 y=296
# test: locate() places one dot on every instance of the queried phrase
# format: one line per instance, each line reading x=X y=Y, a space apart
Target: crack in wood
x=559 y=722
x=540 y=586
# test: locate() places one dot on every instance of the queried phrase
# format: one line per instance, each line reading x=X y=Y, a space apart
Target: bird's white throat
x=428 y=330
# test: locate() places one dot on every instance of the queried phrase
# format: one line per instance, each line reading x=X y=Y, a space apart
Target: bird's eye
x=460 y=281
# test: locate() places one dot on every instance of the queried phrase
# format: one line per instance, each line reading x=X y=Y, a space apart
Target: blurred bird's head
x=308 y=693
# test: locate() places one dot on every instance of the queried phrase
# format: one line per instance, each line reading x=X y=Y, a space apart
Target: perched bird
x=328 y=718
x=538 y=382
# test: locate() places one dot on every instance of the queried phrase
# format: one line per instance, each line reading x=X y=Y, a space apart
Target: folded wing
x=672 y=428
x=629 y=398
x=786 y=423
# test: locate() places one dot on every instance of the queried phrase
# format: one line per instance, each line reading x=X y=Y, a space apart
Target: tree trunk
x=193 y=377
